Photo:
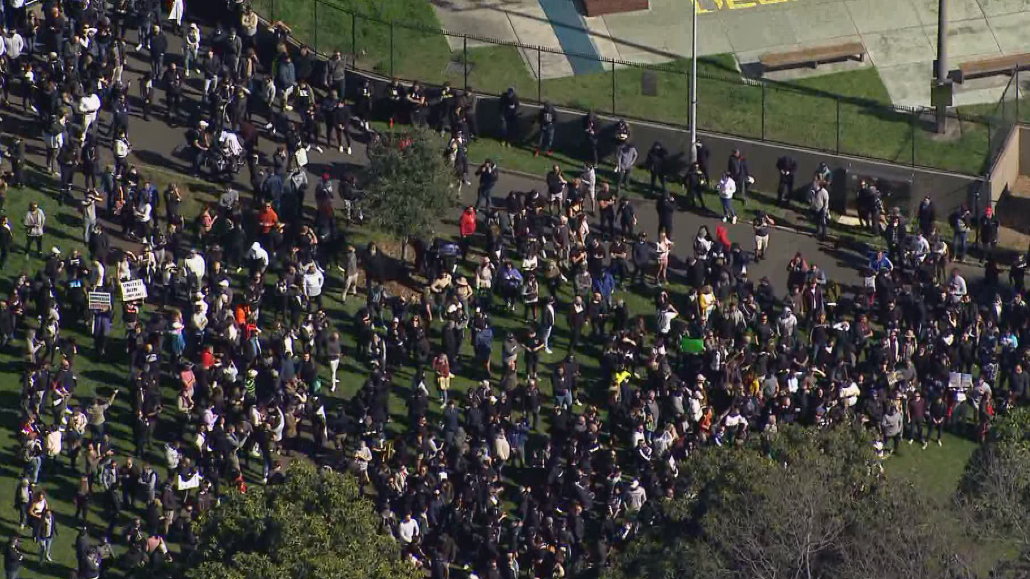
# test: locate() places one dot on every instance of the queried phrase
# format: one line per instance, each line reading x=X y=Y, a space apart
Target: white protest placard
x=133 y=290
x=99 y=300
x=187 y=484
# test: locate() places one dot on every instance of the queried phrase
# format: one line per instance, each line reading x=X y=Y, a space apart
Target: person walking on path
x=821 y=210
x=762 y=224
x=488 y=175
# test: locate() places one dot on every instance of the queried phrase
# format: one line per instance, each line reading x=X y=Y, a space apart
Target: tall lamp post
x=693 y=82
x=941 y=93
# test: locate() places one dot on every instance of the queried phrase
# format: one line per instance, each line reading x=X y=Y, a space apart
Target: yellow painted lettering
x=701 y=9
x=738 y=4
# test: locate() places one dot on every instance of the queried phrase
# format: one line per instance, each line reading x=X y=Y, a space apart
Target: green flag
x=692 y=345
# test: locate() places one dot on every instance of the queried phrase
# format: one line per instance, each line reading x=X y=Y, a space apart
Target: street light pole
x=941 y=74
x=693 y=82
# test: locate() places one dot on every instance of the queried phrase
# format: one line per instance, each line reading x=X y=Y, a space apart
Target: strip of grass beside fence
x=847 y=112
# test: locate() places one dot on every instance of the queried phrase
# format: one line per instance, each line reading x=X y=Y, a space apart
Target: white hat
x=55 y=251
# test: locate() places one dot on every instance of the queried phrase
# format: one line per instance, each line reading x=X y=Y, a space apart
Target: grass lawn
x=936 y=473
x=935 y=469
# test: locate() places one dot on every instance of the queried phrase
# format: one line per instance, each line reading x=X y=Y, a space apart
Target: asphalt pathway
x=155 y=143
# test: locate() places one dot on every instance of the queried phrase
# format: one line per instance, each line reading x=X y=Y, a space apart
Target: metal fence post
x=354 y=37
x=273 y=11
x=763 y=110
x=314 y=10
x=465 y=58
x=838 y=125
x=1017 y=94
x=915 y=120
x=391 y=47
x=539 y=76
x=613 y=87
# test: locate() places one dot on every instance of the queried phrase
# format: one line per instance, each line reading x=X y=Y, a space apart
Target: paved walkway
x=154 y=143
x=900 y=35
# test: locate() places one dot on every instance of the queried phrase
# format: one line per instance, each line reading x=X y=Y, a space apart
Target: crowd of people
x=577 y=409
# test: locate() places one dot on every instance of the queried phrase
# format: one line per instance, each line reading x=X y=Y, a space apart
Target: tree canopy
x=409 y=184
x=315 y=525
x=995 y=489
x=812 y=505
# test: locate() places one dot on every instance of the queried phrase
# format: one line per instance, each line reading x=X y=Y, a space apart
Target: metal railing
x=728 y=104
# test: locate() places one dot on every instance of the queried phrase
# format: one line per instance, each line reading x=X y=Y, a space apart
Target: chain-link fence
x=727 y=103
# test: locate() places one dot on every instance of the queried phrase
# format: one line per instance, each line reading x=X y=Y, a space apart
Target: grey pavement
x=899 y=35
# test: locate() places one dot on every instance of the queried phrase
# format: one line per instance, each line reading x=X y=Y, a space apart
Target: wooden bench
x=1006 y=64
x=599 y=7
x=813 y=56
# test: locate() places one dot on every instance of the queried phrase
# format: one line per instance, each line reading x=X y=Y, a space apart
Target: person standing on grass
x=34 y=222
x=626 y=158
x=6 y=239
x=466 y=229
x=727 y=188
x=46 y=530
x=13 y=558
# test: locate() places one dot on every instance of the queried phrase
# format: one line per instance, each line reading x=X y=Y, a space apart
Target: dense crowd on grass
x=580 y=405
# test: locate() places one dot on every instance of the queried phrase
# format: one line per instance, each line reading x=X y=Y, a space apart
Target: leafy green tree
x=995 y=489
x=409 y=186
x=316 y=525
x=811 y=505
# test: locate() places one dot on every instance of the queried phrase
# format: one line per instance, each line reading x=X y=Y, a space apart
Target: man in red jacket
x=466 y=228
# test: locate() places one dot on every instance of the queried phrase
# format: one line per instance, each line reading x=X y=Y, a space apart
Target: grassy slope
x=937 y=470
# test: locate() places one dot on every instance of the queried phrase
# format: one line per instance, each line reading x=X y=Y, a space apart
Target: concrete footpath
x=899 y=35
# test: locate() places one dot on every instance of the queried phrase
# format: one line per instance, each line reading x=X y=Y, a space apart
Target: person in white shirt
x=143 y=216
x=313 y=281
x=588 y=182
x=196 y=266
x=14 y=44
x=850 y=393
x=727 y=188
x=88 y=107
x=407 y=530
x=957 y=286
x=35 y=222
x=666 y=315
x=257 y=257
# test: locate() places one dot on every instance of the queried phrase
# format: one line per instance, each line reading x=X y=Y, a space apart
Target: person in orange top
x=466 y=228
x=267 y=218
